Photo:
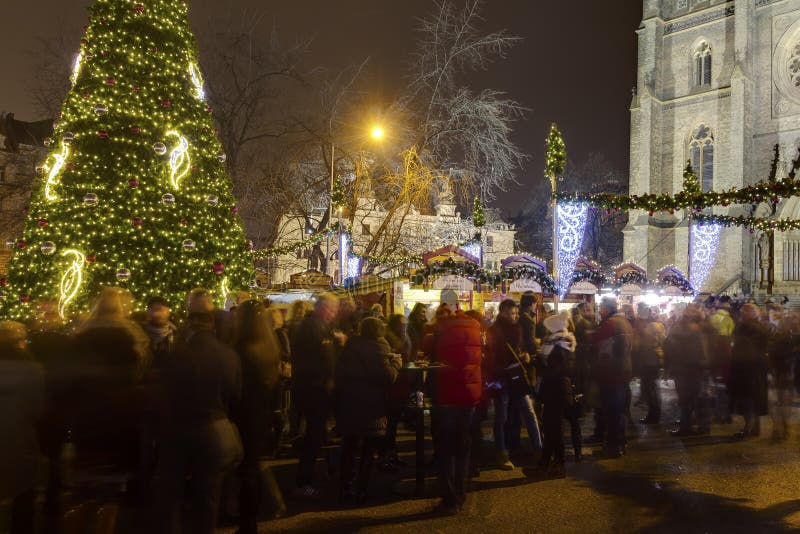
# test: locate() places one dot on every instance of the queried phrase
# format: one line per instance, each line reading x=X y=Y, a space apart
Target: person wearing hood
x=558 y=384
x=555 y=393
x=506 y=378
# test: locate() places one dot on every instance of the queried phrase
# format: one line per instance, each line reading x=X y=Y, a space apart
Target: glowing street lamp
x=377 y=133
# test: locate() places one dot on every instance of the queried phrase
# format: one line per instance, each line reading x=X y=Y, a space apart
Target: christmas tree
x=135 y=191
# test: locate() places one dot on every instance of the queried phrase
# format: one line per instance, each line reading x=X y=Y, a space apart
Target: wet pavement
x=712 y=483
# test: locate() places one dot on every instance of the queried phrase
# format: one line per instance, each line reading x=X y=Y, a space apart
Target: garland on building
x=677 y=281
x=632 y=277
x=474 y=272
x=753 y=223
x=753 y=194
x=595 y=277
x=310 y=241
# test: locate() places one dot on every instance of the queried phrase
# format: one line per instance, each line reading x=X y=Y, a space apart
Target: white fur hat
x=555 y=323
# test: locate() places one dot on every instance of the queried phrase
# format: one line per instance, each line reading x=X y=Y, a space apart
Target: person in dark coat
x=508 y=380
x=202 y=386
x=399 y=342
x=783 y=350
x=417 y=321
x=160 y=330
x=555 y=393
x=279 y=404
x=687 y=362
x=23 y=399
x=747 y=386
x=457 y=346
x=258 y=350
x=364 y=374
x=314 y=353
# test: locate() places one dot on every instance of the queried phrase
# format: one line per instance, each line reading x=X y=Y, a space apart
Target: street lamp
x=377 y=133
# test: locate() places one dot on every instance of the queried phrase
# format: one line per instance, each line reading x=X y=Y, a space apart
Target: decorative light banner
x=474 y=248
x=702 y=253
x=571 y=224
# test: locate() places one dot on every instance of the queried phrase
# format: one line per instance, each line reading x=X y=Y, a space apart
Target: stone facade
x=418 y=233
x=17 y=171
x=730 y=71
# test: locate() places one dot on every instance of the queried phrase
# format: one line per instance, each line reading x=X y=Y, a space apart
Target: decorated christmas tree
x=135 y=191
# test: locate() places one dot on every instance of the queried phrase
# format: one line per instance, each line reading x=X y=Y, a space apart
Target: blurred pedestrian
x=23 y=400
x=259 y=354
x=202 y=386
x=747 y=387
x=364 y=374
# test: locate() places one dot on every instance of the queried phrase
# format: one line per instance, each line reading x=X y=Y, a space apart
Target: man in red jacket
x=458 y=391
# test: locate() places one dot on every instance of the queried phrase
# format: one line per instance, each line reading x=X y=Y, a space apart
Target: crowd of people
x=125 y=399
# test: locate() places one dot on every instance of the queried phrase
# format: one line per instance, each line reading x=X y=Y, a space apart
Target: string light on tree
x=130 y=122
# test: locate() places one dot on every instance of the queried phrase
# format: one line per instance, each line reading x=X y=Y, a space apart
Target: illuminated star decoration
x=55 y=170
x=76 y=67
x=571 y=223
x=71 y=281
x=197 y=81
x=179 y=162
x=702 y=252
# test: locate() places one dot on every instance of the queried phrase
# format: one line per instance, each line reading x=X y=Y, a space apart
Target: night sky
x=576 y=65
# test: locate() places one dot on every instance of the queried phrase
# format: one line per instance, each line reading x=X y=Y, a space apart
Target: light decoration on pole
x=76 y=67
x=71 y=280
x=353 y=266
x=197 y=81
x=55 y=170
x=702 y=253
x=179 y=162
x=571 y=224
x=473 y=248
x=344 y=255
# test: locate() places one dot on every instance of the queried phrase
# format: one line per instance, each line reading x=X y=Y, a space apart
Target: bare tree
x=449 y=122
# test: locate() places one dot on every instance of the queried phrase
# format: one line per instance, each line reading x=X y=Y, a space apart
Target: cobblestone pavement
x=711 y=484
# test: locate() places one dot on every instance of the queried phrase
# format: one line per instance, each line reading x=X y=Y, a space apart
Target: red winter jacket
x=458 y=346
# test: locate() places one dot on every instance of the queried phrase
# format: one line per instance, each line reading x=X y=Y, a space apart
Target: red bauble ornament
x=86 y=95
x=84 y=42
x=193 y=168
x=43 y=223
x=184 y=222
x=218 y=267
x=21 y=243
x=209 y=110
x=166 y=104
x=3 y=282
x=650 y=213
x=154 y=49
x=136 y=221
x=102 y=134
x=105 y=53
x=133 y=182
x=111 y=81
x=139 y=8
x=69 y=166
x=91 y=259
x=102 y=20
x=24 y=298
x=672 y=212
x=234 y=210
x=136 y=130
x=136 y=88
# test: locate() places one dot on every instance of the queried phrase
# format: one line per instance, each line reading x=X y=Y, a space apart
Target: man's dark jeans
x=650 y=393
x=454 y=454
x=613 y=398
x=314 y=404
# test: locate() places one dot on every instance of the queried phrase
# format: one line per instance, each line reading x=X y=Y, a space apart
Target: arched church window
x=701 y=156
x=701 y=65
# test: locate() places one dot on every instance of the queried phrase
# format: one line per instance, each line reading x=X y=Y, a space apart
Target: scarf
x=562 y=338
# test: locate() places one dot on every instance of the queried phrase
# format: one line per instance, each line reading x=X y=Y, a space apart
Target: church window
x=701 y=156
x=701 y=65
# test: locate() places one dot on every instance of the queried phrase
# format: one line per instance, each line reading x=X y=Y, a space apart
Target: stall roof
x=450 y=252
x=522 y=260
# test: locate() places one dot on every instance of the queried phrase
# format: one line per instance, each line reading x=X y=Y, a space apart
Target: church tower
x=718 y=84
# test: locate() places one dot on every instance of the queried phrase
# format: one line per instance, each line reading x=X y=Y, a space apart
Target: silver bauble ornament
x=189 y=245
x=123 y=274
x=168 y=198
x=48 y=247
x=212 y=200
x=90 y=199
x=160 y=148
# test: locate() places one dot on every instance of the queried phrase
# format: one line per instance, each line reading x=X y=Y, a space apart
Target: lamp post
x=377 y=133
